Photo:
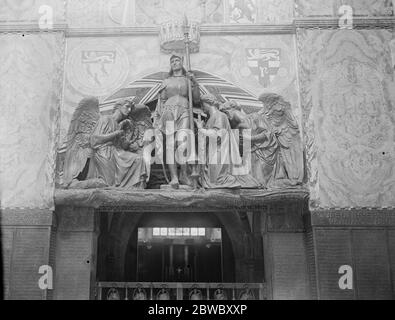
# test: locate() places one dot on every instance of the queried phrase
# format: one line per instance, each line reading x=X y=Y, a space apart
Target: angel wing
x=78 y=149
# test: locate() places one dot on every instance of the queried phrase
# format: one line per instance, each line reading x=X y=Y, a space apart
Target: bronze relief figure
x=98 y=155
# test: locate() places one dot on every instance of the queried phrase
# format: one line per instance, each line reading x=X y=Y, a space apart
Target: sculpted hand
x=191 y=77
x=199 y=124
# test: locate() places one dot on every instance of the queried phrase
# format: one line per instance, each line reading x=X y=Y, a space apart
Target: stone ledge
x=220 y=29
x=159 y=200
x=30 y=27
x=353 y=218
x=27 y=217
x=288 y=27
x=333 y=22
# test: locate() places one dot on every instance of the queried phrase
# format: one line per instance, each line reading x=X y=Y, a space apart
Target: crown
x=172 y=36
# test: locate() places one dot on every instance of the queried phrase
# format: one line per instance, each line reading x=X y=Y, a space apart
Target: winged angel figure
x=99 y=148
x=277 y=150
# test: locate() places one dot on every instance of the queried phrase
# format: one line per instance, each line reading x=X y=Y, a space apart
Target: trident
x=193 y=159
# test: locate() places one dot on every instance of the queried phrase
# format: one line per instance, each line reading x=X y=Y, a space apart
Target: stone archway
x=117 y=244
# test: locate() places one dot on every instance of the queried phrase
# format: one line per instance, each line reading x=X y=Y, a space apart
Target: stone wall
x=361 y=239
x=31 y=68
x=224 y=57
x=26 y=240
x=340 y=83
x=347 y=99
x=76 y=257
x=85 y=13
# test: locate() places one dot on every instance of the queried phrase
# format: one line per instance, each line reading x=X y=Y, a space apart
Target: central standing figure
x=173 y=107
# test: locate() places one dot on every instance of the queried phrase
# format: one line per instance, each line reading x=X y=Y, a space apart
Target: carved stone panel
x=154 y=12
x=104 y=67
x=124 y=13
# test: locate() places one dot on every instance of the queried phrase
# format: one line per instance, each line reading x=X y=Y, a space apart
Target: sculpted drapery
x=99 y=141
x=173 y=103
x=222 y=164
x=117 y=167
x=172 y=109
x=289 y=167
x=276 y=146
x=276 y=159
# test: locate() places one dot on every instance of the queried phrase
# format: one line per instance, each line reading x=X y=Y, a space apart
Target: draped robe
x=278 y=160
x=117 y=167
x=220 y=169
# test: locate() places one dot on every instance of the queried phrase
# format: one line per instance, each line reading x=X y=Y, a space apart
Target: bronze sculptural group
x=277 y=152
x=173 y=107
x=107 y=151
x=221 y=172
x=100 y=143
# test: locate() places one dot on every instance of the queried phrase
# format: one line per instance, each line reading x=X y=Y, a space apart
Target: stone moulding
x=30 y=28
x=220 y=29
x=151 y=200
x=27 y=217
x=333 y=23
x=361 y=217
x=149 y=30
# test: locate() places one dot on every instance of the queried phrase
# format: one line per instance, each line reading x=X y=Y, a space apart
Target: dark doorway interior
x=180 y=258
x=122 y=258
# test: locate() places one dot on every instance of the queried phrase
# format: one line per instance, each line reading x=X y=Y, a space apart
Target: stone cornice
x=175 y=201
x=215 y=29
x=333 y=23
x=27 y=217
x=29 y=28
x=361 y=217
x=205 y=30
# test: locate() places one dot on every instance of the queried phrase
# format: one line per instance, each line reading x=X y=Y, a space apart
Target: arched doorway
x=208 y=257
x=183 y=247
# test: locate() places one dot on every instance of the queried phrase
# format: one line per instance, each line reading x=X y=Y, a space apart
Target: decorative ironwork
x=220 y=294
x=163 y=294
x=113 y=294
x=181 y=291
x=247 y=294
x=195 y=294
x=139 y=294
